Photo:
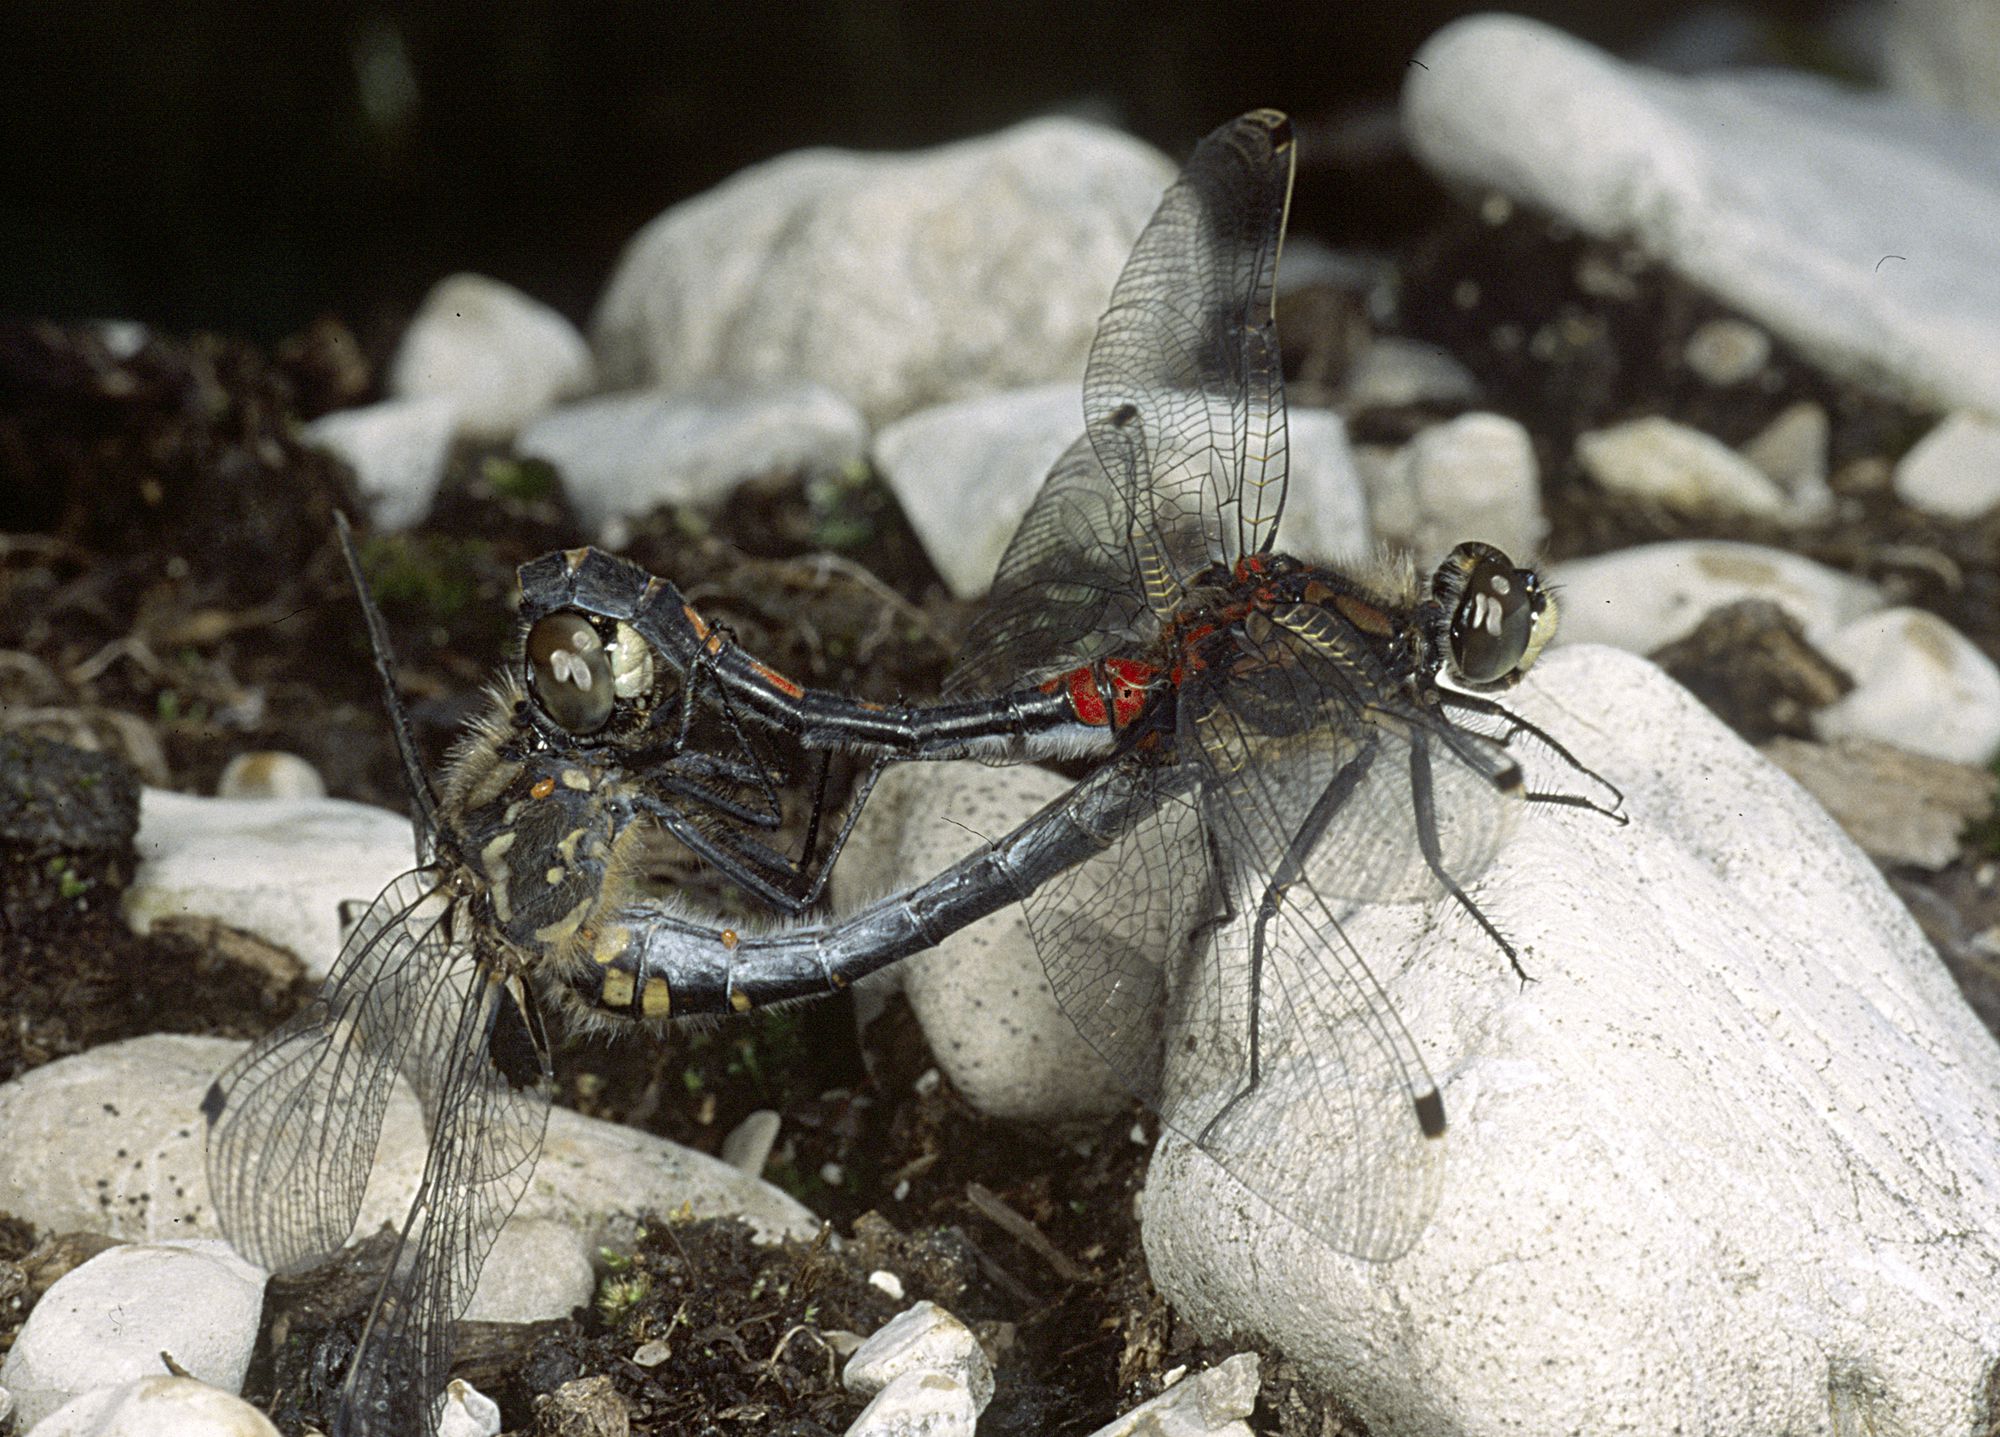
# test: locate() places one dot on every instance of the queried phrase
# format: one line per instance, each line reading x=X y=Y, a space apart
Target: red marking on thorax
x=1127 y=680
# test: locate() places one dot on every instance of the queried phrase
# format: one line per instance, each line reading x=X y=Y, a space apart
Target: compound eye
x=569 y=673
x=1497 y=626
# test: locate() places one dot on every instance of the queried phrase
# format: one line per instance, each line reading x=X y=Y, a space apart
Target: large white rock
x=624 y=454
x=1919 y=684
x=311 y=855
x=397 y=450
x=964 y=473
x=1863 y=229
x=113 y=1141
x=500 y=357
x=982 y=998
x=1644 y=597
x=107 y=1322
x=898 y=280
x=1726 y=1166
x=151 y=1406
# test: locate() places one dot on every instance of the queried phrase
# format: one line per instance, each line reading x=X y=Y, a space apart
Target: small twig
x=996 y=1211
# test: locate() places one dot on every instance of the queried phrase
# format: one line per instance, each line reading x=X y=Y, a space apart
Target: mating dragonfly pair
x=1274 y=742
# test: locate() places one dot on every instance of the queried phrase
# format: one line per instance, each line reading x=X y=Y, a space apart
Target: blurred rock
x=1862 y=229
x=269 y=773
x=1473 y=477
x=397 y=450
x=1749 y=662
x=1902 y=808
x=1919 y=684
x=898 y=280
x=1727 y=352
x=1656 y=461
x=1953 y=471
x=163 y=1406
x=500 y=357
x=625 y=454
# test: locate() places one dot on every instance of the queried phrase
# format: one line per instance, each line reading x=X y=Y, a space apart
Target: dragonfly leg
x=1287 y=872
x=1516 y=725
x=1424 y=800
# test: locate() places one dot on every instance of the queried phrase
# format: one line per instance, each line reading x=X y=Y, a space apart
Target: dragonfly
x=1271 y=739
x=1277 y=741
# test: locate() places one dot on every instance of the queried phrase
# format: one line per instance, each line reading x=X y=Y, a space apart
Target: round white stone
x=498 y=356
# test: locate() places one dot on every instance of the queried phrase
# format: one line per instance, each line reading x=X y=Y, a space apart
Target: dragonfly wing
x=488 y=1100
x=1065 y=592
x=1182 y=461
x=1184 y=397
x=294 y=1122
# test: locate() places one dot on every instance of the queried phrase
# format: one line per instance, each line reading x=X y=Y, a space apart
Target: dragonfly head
x=576 y=674
x=1489 y=618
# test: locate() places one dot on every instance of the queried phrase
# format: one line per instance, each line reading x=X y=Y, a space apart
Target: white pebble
x=1953 y=472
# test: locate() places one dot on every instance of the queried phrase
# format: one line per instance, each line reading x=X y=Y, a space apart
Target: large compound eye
x=569 y=673
x=1501 y=616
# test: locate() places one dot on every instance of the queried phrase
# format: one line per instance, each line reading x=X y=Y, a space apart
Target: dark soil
x=170 y=594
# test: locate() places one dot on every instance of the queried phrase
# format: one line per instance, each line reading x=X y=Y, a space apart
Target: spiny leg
x=1331 y=798
x=1423 y=799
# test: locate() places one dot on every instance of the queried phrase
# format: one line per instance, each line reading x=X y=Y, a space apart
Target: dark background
x=246 y=168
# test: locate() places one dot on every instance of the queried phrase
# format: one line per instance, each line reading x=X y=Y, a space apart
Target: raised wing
x=1182 y=462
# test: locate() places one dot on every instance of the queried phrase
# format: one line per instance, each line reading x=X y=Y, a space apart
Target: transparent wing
x=1183 y=396
x=489 y=1101
x=294 y=1122
x=1183 y=457
x=1066 y=591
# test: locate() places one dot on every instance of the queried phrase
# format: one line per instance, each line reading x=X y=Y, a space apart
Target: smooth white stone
x=1919 y=684
x=500 y=357
x=467 y=1412
x=1727 y=352
x=1644 y=597
x=107 y=1322
x=163 y=1406
x=1208 y=1404
x=748 y=1146
x=397 y=450
x=984 y=1002
x=126 y=1115
x=310 y=856
x=1657 y=461
x=899 y=280
x=965 y=473
x=625 y=454
x=922 y=1338
x=1727 y=1165
x=1862 y=229
x=1792 y=451
x=1953 y=471
x=269 y=773
x=1473 y=477
x=919 y=1404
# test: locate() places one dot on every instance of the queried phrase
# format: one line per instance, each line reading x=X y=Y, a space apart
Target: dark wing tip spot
x=1430 y=1113
x=1124 y=414
x=212 y=1101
